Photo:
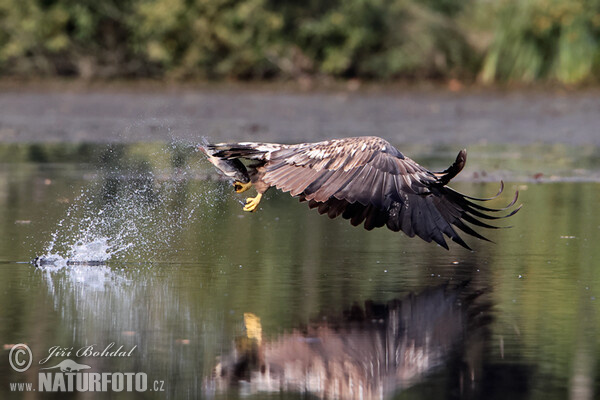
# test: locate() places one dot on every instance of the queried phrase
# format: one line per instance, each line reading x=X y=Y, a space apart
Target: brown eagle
x=361 y=179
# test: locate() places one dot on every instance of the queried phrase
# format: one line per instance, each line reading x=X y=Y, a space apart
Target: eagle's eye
x=237 y=187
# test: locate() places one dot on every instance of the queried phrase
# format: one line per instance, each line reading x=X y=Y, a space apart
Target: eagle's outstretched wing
x=367 y=179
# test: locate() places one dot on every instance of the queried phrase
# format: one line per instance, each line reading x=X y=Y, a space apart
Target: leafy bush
x=384 y=39
x=65 y=37
x=208 y=37
x=258 y=39
x=544 y=39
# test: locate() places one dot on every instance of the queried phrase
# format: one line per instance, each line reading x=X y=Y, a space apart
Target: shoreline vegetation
x=352 y=43
x=308 y=85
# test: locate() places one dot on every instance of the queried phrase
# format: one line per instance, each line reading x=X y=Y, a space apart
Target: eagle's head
x=232 y=168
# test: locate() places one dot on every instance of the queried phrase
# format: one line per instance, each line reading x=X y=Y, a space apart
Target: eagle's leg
x=252 y=203
x=240 y=187
x=256 y=174
x=253 y=327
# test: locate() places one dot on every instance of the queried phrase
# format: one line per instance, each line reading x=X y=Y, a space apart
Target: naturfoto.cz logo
x=71 y=376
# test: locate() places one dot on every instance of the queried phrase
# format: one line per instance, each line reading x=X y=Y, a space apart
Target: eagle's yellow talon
x=240 y=187
x=252 y=203
x=253 y=327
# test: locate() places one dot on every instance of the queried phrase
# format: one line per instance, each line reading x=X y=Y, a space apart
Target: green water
x=191 y=263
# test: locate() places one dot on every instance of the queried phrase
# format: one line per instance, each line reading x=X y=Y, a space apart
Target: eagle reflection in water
x=368 y=352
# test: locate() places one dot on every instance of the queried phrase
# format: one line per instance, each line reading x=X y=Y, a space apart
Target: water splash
x=132 y=209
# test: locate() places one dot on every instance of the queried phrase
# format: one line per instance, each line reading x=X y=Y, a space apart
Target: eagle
x=363 y=179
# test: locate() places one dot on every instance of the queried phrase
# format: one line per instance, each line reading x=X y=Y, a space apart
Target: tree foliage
x=258 y=39
x=544 y=39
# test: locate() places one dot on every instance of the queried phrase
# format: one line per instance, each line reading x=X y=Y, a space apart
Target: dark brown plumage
x=365 y=179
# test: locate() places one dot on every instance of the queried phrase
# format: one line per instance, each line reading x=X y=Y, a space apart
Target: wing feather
x=406 y=217
x=360 y=215
x=307 y=178
x=316 y=184
x=376 y=218
x=356 y=189
x=295 y=182
x=282 y=173
x=441 y=226
x=378 y=186
x=323 y=207
x=335 y=183
x=336 y=208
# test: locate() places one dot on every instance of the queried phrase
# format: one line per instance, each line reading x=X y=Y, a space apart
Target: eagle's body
x=361 y=179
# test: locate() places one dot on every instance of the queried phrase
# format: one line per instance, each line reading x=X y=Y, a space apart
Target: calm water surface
x=213 y=302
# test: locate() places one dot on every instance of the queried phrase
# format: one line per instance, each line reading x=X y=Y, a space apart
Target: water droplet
x=127 y=221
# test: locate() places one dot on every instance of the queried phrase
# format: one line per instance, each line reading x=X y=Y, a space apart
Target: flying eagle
x=361 y=179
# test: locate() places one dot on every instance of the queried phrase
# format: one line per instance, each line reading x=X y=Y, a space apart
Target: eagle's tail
x=249 y=150
x=446 y=176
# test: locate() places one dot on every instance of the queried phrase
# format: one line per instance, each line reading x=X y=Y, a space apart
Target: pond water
x=209 y=301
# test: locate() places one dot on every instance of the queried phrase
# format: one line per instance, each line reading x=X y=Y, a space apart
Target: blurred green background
x=519 y=41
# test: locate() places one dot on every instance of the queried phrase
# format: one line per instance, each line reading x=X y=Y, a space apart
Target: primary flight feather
x=363 y=179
